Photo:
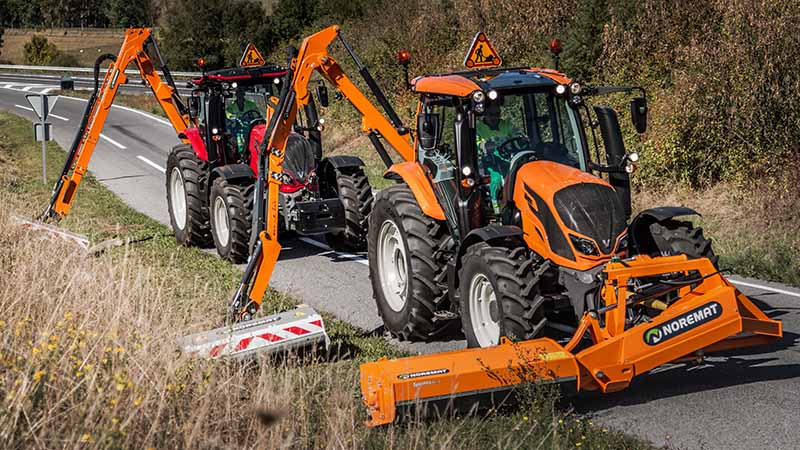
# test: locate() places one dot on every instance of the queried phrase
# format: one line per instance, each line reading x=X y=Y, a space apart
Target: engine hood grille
x=593 y=210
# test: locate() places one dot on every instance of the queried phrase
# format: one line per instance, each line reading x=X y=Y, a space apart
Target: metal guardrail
x=85 y=70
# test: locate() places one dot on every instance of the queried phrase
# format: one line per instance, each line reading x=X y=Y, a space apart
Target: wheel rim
x=221 y=226
x=481 y=301
x=392 y=265
x=177 y=194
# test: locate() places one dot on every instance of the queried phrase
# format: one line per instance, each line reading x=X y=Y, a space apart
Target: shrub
x=40 y=52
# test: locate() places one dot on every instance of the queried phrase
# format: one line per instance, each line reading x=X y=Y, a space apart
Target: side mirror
x=322 y=95
x=428 y=131
x=194 y=106
x=639 y=113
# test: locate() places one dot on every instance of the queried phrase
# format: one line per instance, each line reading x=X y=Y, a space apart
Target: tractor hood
x=567 y=207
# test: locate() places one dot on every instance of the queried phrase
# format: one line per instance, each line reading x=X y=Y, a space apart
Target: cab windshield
x=525 y=127
x=243 y=109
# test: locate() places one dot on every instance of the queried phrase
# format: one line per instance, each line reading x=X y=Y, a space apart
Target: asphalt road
x=45 y=82
x=740 y=400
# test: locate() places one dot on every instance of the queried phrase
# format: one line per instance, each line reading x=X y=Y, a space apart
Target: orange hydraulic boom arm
x=134 y=49
x=312 y=57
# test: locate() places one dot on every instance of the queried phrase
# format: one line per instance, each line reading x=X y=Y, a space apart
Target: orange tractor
x=506 y=218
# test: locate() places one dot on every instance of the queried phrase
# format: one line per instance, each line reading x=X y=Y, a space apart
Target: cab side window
x=436 y=143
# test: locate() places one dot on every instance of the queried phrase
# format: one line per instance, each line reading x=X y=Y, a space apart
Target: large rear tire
x=188 y=213
x=499 y=295
x=404 y=265
x=355 y=192
x=674 y=237
x=231 y=219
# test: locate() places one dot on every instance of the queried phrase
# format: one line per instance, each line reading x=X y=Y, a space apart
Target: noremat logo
x=426 y=373
x=682 y=323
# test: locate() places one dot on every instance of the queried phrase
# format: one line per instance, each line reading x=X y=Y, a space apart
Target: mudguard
x=412 y=174
x=193 y=136
x=639 y=227
x=342 y=161
x=233 y=172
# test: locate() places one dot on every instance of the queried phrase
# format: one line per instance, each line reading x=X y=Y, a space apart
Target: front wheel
x=499 y=295
x=188 y=214
x=405 y=270
x=231 y=214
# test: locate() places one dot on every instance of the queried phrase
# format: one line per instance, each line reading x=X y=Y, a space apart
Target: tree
x=39 y=52
x=217 y=30
x=2 y=31
x=130 y=13
x=584 y=44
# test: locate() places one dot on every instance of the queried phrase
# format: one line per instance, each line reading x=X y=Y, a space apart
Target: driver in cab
x=497 y=139
x=238 y=115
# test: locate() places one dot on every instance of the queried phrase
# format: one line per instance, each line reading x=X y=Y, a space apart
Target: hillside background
x=721 y=77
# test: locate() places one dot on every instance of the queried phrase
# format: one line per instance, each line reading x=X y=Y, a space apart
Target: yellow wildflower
x=86 y=437
x=38 y=375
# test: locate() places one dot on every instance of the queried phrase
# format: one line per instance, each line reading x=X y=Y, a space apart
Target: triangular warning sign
x=481 y=54
x=251 y=57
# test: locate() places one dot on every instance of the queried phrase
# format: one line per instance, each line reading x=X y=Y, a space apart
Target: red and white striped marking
x=292 y=329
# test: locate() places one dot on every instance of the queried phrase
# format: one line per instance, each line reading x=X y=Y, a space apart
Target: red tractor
x=211 y=180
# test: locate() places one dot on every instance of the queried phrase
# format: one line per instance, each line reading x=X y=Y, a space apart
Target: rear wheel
x=187 y=213
x=674 y=237
x=231 y=214
x=404 y=265
x=355 y=192
x=499 y=295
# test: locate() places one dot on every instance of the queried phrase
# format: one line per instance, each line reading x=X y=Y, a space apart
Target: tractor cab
x=230 y=105
x=478 y=129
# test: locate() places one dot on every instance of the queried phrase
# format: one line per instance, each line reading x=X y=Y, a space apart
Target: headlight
x=622 y=245
x=492 y=95
x=584 y=246
x=561 y=89
x=479 y=108
x=478 y=96
x=575 y=88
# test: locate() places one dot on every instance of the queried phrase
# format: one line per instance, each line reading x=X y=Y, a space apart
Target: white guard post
x=293 y=329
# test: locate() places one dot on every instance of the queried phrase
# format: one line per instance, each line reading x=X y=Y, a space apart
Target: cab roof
x=241 y=75
x=461 y=84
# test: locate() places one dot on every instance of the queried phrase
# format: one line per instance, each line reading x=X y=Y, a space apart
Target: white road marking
x=355 y=258
x=113 y=142
x=136 y=111
x=58 y=117
x=47 y=91
x=49 y=115
x=27 y=88
x=766 y=288
x=151 y=163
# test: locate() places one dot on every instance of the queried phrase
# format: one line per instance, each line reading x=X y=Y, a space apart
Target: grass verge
x=87 y=356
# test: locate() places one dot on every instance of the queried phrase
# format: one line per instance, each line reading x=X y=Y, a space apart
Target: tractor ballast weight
x=710 y=315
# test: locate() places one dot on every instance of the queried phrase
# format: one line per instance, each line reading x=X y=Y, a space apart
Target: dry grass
x=84 y=44
x=755 y=229
x=88 y=357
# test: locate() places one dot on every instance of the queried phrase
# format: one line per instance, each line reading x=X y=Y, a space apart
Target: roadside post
x=42 y=104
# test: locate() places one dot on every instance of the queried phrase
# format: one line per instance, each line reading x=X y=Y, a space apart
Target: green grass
x=180 y=273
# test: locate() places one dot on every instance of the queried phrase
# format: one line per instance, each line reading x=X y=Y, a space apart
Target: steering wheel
x=521 y=158
x=249 y=116
x=506 y=147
